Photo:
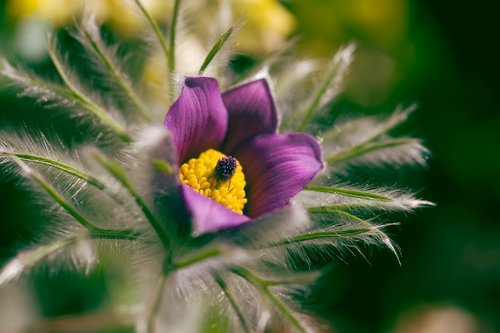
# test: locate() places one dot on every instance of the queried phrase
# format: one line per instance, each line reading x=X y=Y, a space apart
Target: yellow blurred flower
x=266 y=25
x=122 y=15
x=56 y=12
x=267 y=22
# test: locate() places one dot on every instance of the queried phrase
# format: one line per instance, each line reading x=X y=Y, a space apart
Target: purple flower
x=232 y=160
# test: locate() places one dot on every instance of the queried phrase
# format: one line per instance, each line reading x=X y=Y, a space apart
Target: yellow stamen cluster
x=199 y=174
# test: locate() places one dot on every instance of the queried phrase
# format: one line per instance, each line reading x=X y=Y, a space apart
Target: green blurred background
x=439 y=54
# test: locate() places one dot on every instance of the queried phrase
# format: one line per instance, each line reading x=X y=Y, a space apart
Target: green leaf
x=99 y=49
x=232 y=300
x=348 y=193
x=215 y=49
x=261 y=285
x=334 y=73
x=87 y=103
x=57 y=165
x=366 y=148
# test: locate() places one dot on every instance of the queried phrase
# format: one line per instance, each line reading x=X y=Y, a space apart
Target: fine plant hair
x=113 y=200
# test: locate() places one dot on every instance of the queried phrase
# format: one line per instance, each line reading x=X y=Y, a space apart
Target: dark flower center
x=225 y=168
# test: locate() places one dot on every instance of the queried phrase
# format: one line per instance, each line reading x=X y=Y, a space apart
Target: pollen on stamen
x=225 y=168
x=218 y=177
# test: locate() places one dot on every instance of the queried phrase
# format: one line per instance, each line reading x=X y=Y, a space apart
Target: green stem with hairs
x=301 y=279
x=54 y=87
x=368 y=225
x=349 y=207
x=94 y=230
x=70 y=170
x=170 y=265
x=57 y=165
x=261 y=285
x=395 y=120
x=123 y=234
x=332 y=210
x=173 y=31
x=366 y=148
x=117 y=76
x=309 y=112
x=63 y=203
x=156 y=29
x=33 y=256
x=88 y=104
x=198 y=257
x=156 y=296
x=119 y=174
x=347 y=193
x=321 y=235
x=232 y=300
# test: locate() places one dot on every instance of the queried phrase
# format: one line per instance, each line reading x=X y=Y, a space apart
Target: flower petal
x=209 y=215
x=251 y=111
x=276 y=168
x=198 y=118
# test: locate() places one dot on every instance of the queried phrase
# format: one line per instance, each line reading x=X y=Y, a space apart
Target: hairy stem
x=313 y=106
x=80 y=174
x=348 y=193
x=198 y=257
x=170 y=265
x=57 y=165
x=365 y=148
x=54 y=87
x=115 y=73
x=331 y=210
x=232 y=300
x=119 y=174
x=321 y=235
x=173 y=31
x=87 y=103
x=94 y=230
x=368 y=226
x=155 y=300
x=301 y=279
x=261 y=285
x=349 y=207
x=123 y=234
x=396 y=119
x=156 y=29
x=31 y=257
x=62 y=202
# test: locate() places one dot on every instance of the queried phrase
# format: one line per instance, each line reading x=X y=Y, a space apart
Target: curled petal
x=277 y=167
x=251 y=111
x=208 y=215
x=198 y=118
